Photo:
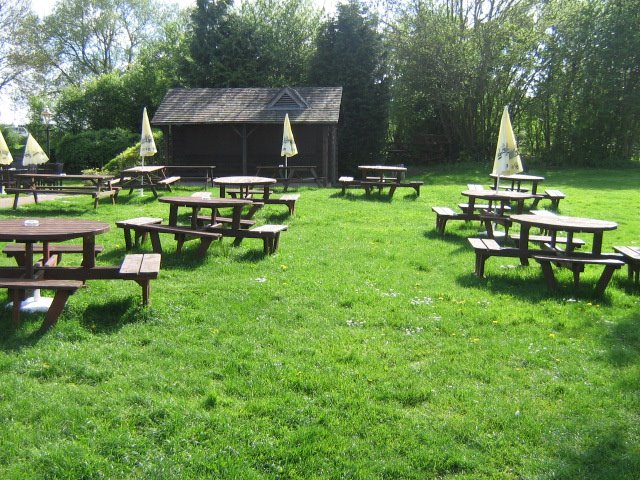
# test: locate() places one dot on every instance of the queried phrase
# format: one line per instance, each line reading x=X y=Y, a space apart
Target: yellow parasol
x=147 y=145
x=5 y=154
x=289 y=148
x=507 y=161
x=33 y=153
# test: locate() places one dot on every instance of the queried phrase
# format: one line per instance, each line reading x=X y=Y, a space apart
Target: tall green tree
x=350 y=53
x=455 y=65
x=263 y=43
x=86 y=38
x=588 y=96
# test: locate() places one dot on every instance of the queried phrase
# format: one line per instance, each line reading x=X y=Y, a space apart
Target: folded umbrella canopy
x=33 y=153
x=289 y=148
x=507 y=161
x=5 y=154
x=147 y=145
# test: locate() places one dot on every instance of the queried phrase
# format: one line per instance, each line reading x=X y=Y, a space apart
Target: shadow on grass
x=279 y=217
x=531 y=289
x=112 y=316
x=372 y=197
x=624 y=341
x=612 y=454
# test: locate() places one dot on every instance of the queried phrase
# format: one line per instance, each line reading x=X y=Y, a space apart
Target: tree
x=456 y=65
x=350 y=53
x=86 y=38
x=15 y=19
x=589 y=91
x=264 y=43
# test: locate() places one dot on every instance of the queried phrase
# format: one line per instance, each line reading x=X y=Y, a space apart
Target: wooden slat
x=150 y=264
x=131 y=264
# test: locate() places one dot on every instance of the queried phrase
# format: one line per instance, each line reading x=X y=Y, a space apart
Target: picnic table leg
x=550 y=278
x=604 y=279
x=57 y=305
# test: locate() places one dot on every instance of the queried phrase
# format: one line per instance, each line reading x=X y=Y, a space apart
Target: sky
x=10 y=114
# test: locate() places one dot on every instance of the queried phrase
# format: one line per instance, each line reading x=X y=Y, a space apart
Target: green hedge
x=93 y=149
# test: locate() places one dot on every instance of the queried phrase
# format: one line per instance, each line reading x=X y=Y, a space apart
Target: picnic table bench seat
x=554 y=195
x=221 y=221
x=576 y=264
x=135 y=225
x=17 y=291
x=487 y=247
x=269 y=234
x=444 y=214
x=346 y=182
x=64 y=190
x=546 y=240
x=169 y=180
x=140 y=268
x=631 y=256
x=288 y=199
x=17 y=250
x=181 y=234
x=481 y=207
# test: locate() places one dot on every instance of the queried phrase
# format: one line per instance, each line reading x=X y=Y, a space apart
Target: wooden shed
x=238 y=129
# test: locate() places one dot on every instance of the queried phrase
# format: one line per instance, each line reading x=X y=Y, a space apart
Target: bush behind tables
x=93 y=148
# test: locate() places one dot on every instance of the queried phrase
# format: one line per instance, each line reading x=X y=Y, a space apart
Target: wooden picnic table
x=516 y=180
x=236 y=226
x=28 y=274
x=494 y=214
x=197 y=203
x=568 y=257
x=149 y=176
x=192 y=173
x=380 y=177
x=97 y=186
x=245 y=186
x=290 y=173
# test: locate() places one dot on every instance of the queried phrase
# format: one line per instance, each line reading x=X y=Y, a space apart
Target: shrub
x=92 y=148
x=131 y=156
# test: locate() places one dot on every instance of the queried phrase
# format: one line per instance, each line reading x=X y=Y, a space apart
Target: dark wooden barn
x=238 y=129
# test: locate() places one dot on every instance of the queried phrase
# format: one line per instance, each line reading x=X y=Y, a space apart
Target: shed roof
x=182 y=106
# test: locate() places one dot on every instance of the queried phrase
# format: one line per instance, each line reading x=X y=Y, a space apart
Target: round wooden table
x=245 y=184
x=499 y=196
x=561 y=223
x=517 y=179
x=52 y=230
x=198 y=202
x=46 y=230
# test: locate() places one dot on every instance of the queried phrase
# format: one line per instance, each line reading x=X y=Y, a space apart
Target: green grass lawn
x=364 y=349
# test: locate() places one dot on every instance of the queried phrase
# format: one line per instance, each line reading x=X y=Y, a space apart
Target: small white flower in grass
x=261 y=279
x=422 y=301
x=390 y=294
x=412 y=330
x=517 y=413
x=353 y=323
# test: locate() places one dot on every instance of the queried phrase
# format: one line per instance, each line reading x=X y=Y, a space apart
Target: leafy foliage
x=350 y=53
x=131 y=156
x=92 y=148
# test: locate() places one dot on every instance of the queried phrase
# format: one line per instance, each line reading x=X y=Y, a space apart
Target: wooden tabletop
x=383 y=168
x=564 y=223
x=519 y=177
x=144 y=169
x=62 y=176
x=49 y=229
x=506 y=195
x=205 y=202
x=243 y=180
